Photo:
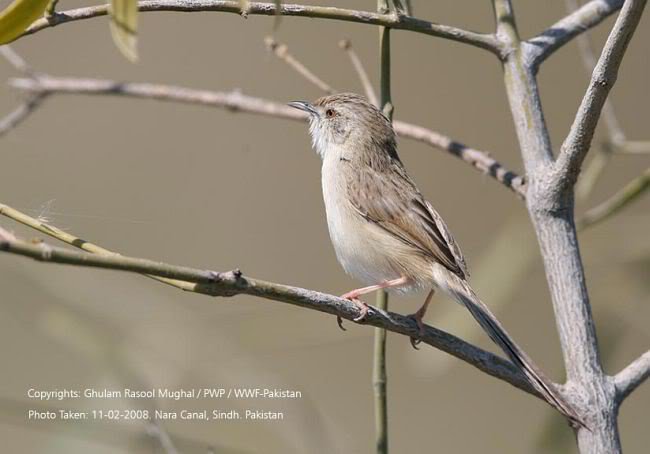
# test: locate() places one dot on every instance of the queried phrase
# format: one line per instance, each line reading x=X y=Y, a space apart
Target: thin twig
x=72 y=240
x=630 y=378
x=20 y=113
x=281 y=51
x=633 y=147
x=400 y=22
x=379 y=374
x=15 y=60
x=51 y=8
x=380 y=380
x=576 y=145
x=29 y=105
x=235 y=101
x=563 y=31
x=234 y=283
x=593 y=170
x=346 y=45
x=631 y=192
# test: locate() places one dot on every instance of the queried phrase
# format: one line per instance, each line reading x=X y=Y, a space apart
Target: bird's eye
x=329 y=113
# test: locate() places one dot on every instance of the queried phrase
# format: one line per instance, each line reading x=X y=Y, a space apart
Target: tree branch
x=392 y=20
x=233 y=283
x=576 y=145
x=632 y=191
x=630 y=378
x=379 y=375
x=281 y=51
x=632 y=147
x=20 y=113
x=563 y=31
x=235 y=101
x=346 y=45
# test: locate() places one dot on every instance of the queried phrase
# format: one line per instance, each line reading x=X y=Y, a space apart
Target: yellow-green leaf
x=19 y=15
x=124 y=27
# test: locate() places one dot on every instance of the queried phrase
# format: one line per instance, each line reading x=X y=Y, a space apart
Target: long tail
x=462 y=292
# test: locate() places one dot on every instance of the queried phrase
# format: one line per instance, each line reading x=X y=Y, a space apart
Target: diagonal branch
x=20 y=113
x=630 y=378
x=557 y=35
x=29 y=105
x=239 y=102
x=392 y=20
x=346 y=45
x=281 y=51
x=628 y=194
x=235 y=283
x=576 y=145
x=75 y=241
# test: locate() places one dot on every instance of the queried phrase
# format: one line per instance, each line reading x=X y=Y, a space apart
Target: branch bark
x=392 y=20
x=563 y=31
x=630 y=378
x=236 y=101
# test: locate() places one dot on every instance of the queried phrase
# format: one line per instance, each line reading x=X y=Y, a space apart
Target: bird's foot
x=363 y=308
x=417 y=317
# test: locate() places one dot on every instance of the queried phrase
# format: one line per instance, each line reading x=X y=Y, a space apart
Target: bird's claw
x=363 y=308
x=418 y=320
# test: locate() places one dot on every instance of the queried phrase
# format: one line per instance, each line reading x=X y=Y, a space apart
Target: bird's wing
x=391 y=201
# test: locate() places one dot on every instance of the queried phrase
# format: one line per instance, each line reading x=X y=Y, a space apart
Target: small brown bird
x=383 y=230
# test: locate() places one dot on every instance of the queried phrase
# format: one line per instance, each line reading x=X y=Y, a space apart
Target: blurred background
x=211 y=189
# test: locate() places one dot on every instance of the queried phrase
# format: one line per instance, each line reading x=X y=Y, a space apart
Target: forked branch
x=577 y=144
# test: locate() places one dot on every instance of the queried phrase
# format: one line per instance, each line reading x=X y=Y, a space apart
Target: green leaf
x=19 y=15
x=124 y=27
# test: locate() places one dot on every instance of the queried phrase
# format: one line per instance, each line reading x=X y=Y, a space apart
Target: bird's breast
x=361 y=248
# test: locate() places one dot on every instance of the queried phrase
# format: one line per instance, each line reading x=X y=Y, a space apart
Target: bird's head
x=347 y=122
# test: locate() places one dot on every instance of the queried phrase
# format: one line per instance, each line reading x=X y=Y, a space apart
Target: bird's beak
x=304 y=106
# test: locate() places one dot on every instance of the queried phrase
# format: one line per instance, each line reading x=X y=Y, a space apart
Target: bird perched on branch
x=385 y=233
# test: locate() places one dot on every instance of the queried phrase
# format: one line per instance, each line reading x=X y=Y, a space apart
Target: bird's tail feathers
x=463 y=293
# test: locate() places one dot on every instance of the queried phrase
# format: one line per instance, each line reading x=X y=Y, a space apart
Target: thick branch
x=234 y=283
x=576 y=145
x=563 y=31
x=239 y=102
x=396 y=21
x=632 y=376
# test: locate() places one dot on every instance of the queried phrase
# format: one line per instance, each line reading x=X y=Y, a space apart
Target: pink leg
x=418 y=316
x=355 y=294
x=363 y=307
